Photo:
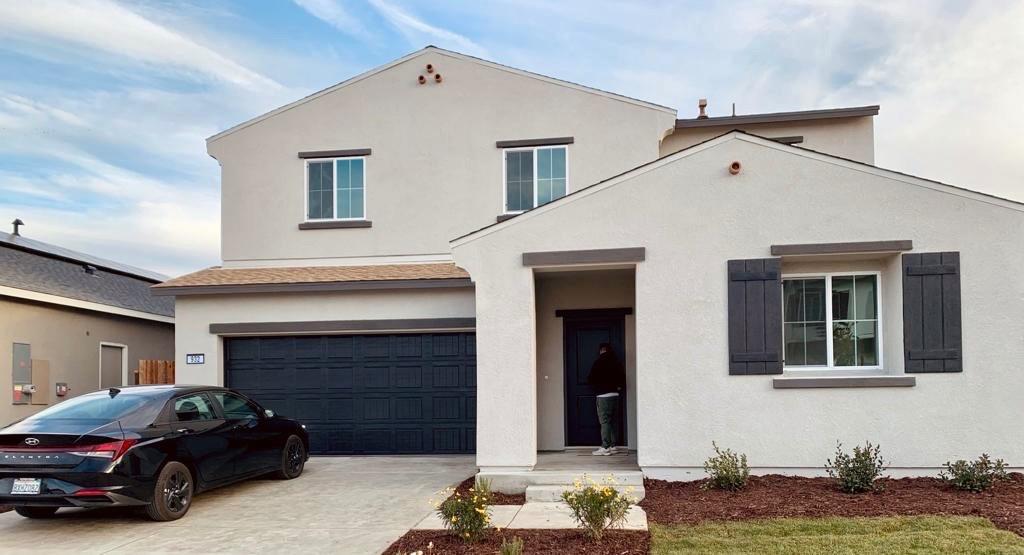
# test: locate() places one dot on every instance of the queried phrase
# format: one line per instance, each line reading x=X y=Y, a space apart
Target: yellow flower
x=455 y=519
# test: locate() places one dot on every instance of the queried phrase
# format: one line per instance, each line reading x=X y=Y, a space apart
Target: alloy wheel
x=177 y=492
x=295 y=457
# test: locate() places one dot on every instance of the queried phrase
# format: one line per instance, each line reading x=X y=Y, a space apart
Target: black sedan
x=149 y=446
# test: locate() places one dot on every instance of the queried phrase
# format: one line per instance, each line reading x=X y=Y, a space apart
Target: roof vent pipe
x=17 y=223
x=702 y=104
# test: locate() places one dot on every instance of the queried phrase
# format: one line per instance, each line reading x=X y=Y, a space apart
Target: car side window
x=235 y=407
x=191 y=408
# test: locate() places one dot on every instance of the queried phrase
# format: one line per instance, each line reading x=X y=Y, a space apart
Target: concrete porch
x=556 y=471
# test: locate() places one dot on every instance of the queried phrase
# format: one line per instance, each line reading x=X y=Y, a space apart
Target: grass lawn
x=811 y=536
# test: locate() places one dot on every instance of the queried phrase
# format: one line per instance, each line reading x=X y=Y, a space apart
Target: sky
x=105 y=105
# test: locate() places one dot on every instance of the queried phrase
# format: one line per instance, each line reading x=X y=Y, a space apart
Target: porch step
x=517 y=481
x=553 y=493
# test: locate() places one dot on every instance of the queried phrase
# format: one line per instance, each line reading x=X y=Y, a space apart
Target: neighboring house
x=425 y=257
x=71 y=323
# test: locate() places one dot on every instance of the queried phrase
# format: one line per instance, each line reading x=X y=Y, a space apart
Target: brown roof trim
x=774 y=117
x=335 y=153
x=409 y=324
x=535 y=142
x=788 y=140
x=183 y=290
x=595 y=256
x=843 y=248
x=844 y=381
x=336 y=224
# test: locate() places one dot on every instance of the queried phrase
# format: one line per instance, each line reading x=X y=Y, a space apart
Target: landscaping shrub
x=514 y=547
x=597 y=507
x=974 y=476
x=467 y=516
x=859 y=472
x=726 y=470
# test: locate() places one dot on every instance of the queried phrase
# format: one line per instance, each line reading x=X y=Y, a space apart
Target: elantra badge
x=31 y=441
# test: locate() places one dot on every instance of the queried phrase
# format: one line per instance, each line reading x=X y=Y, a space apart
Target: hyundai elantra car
x=148 y=446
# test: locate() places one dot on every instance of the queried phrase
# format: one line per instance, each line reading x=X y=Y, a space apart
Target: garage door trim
x=345 y=326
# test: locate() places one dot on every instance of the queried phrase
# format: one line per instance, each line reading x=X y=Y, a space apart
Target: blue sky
x=105 y=105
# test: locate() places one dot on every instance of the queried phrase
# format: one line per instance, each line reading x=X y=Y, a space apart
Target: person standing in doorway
x=608 y=378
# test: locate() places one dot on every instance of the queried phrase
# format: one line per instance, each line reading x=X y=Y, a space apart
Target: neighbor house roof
x=442 y=52
x=777 y=117
x=38 y=271
x=315 y=278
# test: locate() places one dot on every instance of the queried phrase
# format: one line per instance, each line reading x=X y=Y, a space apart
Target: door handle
x=185 y=430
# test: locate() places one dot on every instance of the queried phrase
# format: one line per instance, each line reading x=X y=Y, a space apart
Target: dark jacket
x=607 y=374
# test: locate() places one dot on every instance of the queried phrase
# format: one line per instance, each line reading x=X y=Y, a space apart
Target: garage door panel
x=363 y=394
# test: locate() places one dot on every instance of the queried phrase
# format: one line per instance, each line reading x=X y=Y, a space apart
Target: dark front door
x=584 y=333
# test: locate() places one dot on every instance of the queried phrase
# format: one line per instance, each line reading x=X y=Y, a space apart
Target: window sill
x=819 y=382
x=339 y=224
x=503 y=217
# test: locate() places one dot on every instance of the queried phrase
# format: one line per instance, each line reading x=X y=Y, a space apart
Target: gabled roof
x=443 y=52
x=58 y=279
x=776 y=117
x=738 y=134
x=31 y=245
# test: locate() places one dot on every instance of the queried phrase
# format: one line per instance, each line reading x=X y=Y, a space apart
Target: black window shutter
x=931 y=312
x=755 y=316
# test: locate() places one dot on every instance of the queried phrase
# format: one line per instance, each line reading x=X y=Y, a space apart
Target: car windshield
x=101 y=407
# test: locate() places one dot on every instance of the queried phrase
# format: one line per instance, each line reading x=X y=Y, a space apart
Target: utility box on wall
x=21 y=372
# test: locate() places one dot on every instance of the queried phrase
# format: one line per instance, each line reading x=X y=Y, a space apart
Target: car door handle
x=185 y=430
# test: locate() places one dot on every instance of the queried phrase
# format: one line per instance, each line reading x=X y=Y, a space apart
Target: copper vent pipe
x=430 y=68
x=735 y=167
x=422 y=80
x=437 y=77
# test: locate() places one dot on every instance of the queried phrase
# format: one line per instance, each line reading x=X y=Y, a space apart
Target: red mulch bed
x=777 y=496
x=551 y=542
x=496 y=498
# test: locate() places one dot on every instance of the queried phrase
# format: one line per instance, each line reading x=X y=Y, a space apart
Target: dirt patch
x=777 y=496
x=615 y=542
x=496 y=498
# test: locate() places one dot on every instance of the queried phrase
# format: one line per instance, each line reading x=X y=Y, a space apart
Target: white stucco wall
x=194 y=314
x=852 y=138
x=576 y=290
x=434 y=172
x=692 y=216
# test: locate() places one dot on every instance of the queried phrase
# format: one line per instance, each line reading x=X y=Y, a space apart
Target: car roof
x=162 y=390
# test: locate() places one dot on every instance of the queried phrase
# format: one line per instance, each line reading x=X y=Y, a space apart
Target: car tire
x=36 y=512
x=172 y=495
x=293 y=458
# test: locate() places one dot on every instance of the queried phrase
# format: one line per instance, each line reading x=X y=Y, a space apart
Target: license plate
x=26 y=486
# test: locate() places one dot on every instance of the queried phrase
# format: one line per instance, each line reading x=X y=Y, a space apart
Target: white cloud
x=416 y=31
x=111 y=28
x=337 y=16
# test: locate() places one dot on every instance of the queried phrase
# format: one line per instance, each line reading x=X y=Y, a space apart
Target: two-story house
x=425 y=257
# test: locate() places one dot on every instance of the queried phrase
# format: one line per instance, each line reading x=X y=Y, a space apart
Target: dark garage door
x=365 y=394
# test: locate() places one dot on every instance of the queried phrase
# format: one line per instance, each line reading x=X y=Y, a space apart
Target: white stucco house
x=423 y=259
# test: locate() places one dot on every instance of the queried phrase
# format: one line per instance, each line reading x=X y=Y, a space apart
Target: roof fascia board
x=366 y=285
x=778 y=117
x=443 y=52
x=83 y=305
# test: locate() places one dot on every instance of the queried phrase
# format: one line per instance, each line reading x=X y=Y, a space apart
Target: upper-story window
x=336 y=188
x=534 y=176
x=831 y=321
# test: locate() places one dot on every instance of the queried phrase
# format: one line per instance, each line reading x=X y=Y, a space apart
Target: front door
x=584 y=332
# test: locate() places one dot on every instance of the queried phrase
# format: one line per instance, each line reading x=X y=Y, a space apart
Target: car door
x=202 y=436
x=254 y=440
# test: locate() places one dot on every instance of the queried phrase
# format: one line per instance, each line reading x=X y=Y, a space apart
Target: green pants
x=606 y=408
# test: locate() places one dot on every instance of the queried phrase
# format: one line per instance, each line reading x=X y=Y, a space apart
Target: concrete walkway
x=537 y=516
x=353 y=505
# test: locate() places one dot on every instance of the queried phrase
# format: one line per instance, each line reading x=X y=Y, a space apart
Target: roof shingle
x=217 y=276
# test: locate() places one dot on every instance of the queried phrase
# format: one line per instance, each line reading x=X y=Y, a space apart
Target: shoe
x=601 y=452
x=616 y=450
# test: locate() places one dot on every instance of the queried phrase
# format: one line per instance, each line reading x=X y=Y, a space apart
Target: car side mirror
x=269 y=413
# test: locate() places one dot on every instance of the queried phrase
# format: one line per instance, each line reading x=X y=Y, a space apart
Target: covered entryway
x=584 y=331
x=365 y=394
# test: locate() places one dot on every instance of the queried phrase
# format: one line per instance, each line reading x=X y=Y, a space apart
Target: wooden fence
x=155 y=372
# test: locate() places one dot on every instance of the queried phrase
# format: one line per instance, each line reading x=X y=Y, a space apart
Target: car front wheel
x=36 y=512
x=173 y=493
x=293 y=458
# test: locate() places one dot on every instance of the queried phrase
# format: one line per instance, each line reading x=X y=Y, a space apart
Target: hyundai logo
x=31 y=441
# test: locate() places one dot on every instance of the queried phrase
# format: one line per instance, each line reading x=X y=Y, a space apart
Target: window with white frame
x=831 y=321
x=534 y=176
x=335 y=189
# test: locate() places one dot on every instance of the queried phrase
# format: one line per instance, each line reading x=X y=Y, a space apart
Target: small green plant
x=514 y=547
x=859 y=472
x=597 y=507
x=467 y=516
x=726 y=470
x=974 y=476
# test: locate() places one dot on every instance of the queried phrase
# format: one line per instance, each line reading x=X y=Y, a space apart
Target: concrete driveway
x=339 y=505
